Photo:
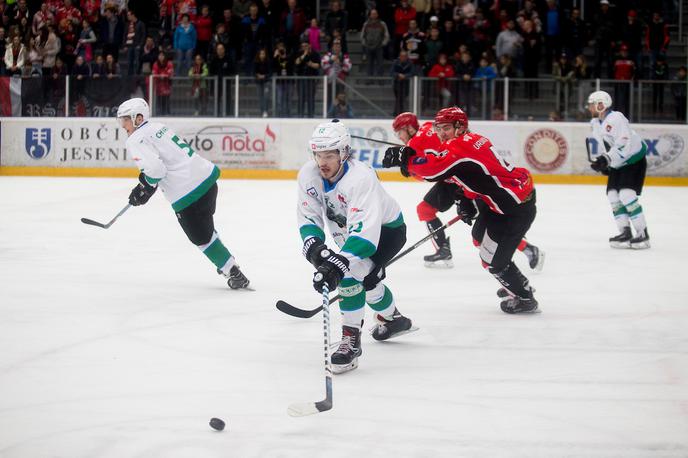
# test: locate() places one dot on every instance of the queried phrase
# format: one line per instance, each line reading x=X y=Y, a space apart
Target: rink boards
x=276 y=148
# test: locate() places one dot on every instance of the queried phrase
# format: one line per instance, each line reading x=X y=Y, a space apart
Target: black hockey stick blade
x=92 y=223
x=289 y=309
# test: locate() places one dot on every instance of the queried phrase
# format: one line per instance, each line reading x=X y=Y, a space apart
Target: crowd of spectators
x=458 y=42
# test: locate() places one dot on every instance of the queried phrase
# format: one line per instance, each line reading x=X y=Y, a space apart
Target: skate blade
x=540 y=262
x=394 y=336
x=342 y=368
x=641 y=245
x=439 y=264
x=524 y=312
x=620 y=245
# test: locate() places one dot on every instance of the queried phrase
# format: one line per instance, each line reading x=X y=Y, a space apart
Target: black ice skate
x=517 y=304
x=536 y=257
x=442 y=258
x=622 y=240
x=641 y=241
x=346 y=357
x=395 y=326
x=236 y=279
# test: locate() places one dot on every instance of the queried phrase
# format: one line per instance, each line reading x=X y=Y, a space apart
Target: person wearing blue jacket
x=184 y=44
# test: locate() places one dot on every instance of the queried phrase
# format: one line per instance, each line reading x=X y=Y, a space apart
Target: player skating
x=443 y=195
x=187 y=180
x=344 y=195
x=468 y=160
x=624 y=161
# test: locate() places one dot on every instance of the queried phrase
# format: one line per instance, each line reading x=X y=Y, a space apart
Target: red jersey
x=470 y=162
x=424 y=142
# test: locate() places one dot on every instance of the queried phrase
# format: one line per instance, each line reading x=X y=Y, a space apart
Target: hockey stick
x=587 y=147
x=372 y=140
x=289 y=309
x=106 y=226
x=309 y=408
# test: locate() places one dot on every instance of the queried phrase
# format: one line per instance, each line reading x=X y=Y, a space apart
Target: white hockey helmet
x=598 y=97
x=132 y=108
x=329 y=136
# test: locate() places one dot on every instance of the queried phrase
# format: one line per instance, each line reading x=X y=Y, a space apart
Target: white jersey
x=622 y=144
x=355 y=209
x=164 y=158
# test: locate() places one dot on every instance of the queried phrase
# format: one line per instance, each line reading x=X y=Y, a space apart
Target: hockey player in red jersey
x=469 y=161
x=442 y=196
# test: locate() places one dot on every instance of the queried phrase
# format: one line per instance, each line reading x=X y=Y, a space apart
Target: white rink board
x=123 y=343
x=281 y=144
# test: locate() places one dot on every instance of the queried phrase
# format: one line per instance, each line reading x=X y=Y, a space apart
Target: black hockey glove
x=332 y=269
x=142 y=192
x=601 y=165
x=466 y=209
x=312 y=248
x=397 y=156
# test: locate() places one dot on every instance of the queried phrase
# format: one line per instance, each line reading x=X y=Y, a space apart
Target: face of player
x=446 y=131
x=127 y=124
x=328 y=163
x=596 y=110
x=404 y=134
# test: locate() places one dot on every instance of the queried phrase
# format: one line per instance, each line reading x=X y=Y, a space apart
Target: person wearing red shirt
x=624 y=70
x=402 y=16
x=204 y=32
x=469 y=162
x=442 y=70
x=68 y=12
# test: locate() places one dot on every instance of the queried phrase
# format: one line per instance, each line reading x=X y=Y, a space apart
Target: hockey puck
x=217 y=424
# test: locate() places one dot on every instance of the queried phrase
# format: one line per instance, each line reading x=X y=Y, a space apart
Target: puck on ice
x=217 y=424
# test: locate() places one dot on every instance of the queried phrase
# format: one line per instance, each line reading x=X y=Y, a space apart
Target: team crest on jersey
x=341 y=199
x=38 y=142
x=312 y=192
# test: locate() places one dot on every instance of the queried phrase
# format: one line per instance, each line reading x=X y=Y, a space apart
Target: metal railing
x=523 y=99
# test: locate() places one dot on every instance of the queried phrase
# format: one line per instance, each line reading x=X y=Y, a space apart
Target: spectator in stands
x=580 y=68
x=184 y=44
x=98 y=69
x=166 y=12
x=199 y=86
x=313 y=34
x=241 y=8
x=117 y=6
x=656 y=37
x=632 y=37
x=204 y=31
x=233 y=28
x=49 y=45
x=80 y=74
x=292 y=25
x=336 y=19
x=255 y=37
x=186 y=7
x=219 y=37
x=509 y=41
x=271 y=12
x=262 y=72
x=433 y=47
x=29 y=71
x=442 y=70
x=56 y=83
x=678 y=89
x=552 y=33
x=574 y=33
x=282 y=65
x=307 y=63
x=604 y=28
x=341 y=108
x=149 y=54
x=67 y=13
x=111 y=67
x=34 y=57
x=624 y=70
x=402 y=17
x=465 y=69
x=422 y=8
x=484 y=75
x=402 y=72
x=413 y=42
x=531 y=57
x=15 y=55
x=336 y=63
x=660 y=73
x=20 y=13
x=564 y=73
x=162 y=72
x=41 y=19
x=87 y=39
x=90 y=10
x=134 y=38
x=111 y=33
x=437 y=8
x=450 y=37
x=3 y=48
x=69 y=41
x=223 y=65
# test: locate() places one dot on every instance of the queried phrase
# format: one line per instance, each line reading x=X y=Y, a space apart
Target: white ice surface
x=124 y=342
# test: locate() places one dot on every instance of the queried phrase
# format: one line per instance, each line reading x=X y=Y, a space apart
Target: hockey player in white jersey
x=344 y=196
x=624 y=161
x=187 y=180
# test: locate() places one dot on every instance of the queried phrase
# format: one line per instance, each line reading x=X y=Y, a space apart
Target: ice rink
x=125 y=342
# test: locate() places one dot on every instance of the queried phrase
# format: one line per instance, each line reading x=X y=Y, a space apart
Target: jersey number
x=501 y=160
x=184 y=146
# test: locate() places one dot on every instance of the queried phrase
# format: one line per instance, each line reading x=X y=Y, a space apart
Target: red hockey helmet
x=406 y=119
x=453 y=115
